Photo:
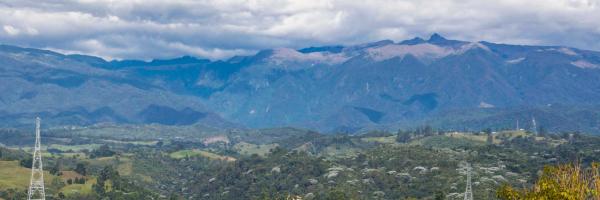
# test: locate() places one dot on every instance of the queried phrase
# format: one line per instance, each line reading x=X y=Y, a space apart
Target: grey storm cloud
x=218 y=29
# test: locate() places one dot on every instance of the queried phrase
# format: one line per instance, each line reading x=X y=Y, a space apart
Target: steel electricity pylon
x=36 y=184
x=468 y=190
x=535 y=131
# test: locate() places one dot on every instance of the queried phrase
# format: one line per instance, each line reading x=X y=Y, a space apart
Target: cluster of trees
x=13 y=193
x=81 y=169
x=26 y=162
x=8 y=154
x=255 y=176
x=119 y=187
x=404 y=136
x=77 y=180
x=102 y=151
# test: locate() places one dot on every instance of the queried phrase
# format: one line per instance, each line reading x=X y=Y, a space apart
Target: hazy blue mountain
x=75 y=90
x=384 y=84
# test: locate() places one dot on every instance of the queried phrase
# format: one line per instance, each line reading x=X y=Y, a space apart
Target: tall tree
x=490 y=136
x=80 y=168
x=402 y=136
x=427 y=130
x=542 y=131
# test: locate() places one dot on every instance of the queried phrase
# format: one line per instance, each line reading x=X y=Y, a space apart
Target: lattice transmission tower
x=535 y=131
x=36 y=184
x=468 y=190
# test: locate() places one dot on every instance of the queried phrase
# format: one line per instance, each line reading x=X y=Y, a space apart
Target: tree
x=56 y=184
x=99 y=186
x=402 y=136
x=336 y=195
x=61 y=195
x=542 y=132
x=487 y=131
x=55 y=168
x=102 y=151
x=80 y=168
x=13 y=193
x=427 y=130
x=490 y=136
x=439 y=195
x=26 y=162
x=175 y=197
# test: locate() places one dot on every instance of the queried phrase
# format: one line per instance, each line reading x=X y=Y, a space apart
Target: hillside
x=384 y=84
x=278 y=162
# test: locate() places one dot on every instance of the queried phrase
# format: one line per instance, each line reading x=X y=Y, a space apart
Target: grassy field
x=145 y=178
x=249 y=149
x=74 y=189
x=123 y=164
x=148 y=132
x=76 y=155
x=476 y=138
x=147 y=143
x=196 y=152
x=125 y=167
x=383 y=140
x=70 y=175
x=75 y=148
x=341 y=151
x=12 y=175
x=442 y=141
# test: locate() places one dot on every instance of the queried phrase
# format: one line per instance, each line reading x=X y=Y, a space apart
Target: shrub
x=568 y=181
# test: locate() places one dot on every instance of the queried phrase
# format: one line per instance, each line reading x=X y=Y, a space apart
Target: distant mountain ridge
x=385 y=84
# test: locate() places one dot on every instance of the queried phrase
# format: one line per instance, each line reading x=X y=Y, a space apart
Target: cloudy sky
x=218 y=29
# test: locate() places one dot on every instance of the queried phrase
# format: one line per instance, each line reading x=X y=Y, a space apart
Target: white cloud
x=221 y=28
x=11 y=30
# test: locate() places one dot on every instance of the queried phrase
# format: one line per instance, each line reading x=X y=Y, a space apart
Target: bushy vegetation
x=103 y=151
x=567 y=181
x=422 y=163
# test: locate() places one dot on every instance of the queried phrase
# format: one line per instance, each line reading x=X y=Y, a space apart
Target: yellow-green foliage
x=147 y=143
x=74 y=147
x=468 y=136
x=383 y=140
x=123 y=163
x=196 y=152
x=125 y=168
x=340 y=151
x=511 y=134
x=568 y=182
x=249 y=149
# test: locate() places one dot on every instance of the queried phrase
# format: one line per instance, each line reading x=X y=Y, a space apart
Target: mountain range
x=446 y=83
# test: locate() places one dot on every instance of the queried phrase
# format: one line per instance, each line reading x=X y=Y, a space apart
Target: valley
x=280 y=163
